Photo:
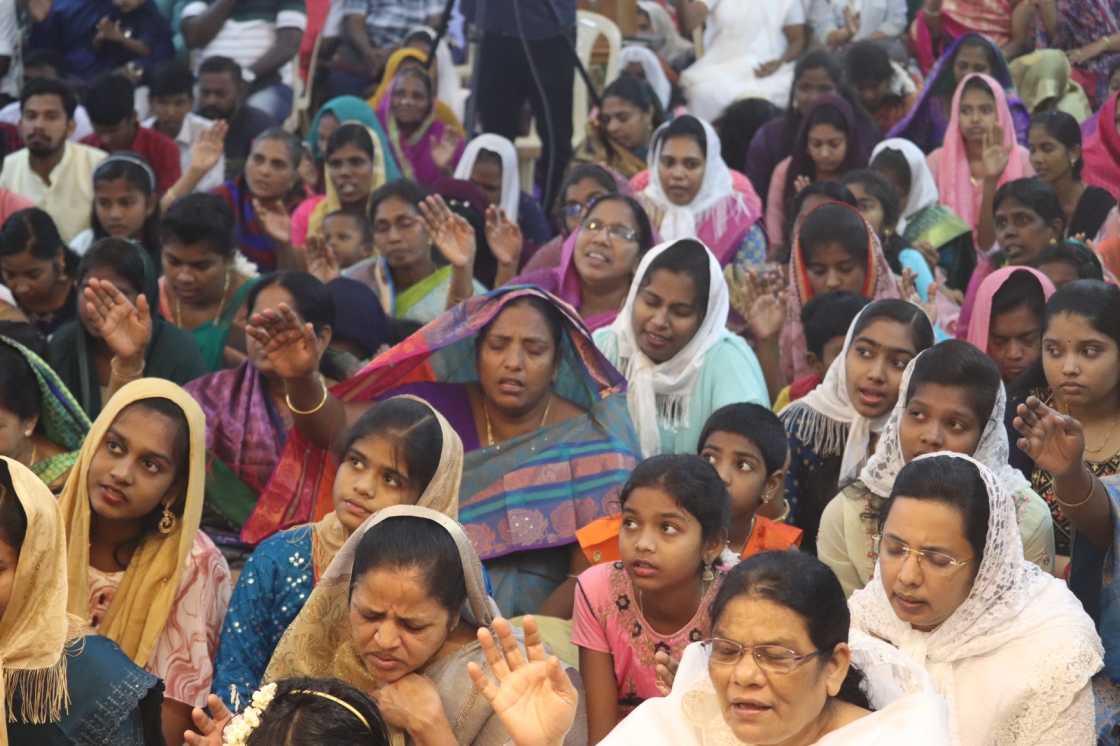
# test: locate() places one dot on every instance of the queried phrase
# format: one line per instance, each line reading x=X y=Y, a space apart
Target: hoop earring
x=167 y=521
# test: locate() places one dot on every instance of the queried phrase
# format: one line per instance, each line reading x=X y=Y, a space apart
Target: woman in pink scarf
x=1015 y=318
x=979 y=155
x=1101 y=153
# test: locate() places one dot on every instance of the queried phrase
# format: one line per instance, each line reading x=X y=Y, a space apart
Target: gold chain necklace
x=221 y=305
x=490 y=428
x=1106 y=441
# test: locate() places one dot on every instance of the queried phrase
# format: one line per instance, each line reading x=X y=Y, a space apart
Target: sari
x=927 y=122
x=1018 y=626
x=1101 y=153
x=563 y=281
x=283 y=570
x=61 y=419
x=250 y=235
x=988 y=18
x=212 y=336
x=878 y=284
x=442 y=112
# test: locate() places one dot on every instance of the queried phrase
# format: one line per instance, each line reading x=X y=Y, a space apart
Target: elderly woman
x=425 y=147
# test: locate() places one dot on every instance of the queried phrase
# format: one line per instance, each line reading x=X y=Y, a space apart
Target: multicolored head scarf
x=531 y=492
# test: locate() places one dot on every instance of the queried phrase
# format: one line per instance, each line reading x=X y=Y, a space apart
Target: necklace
x=221 y=305
x=34 y=454
x=490 y=428
x=1106 y=441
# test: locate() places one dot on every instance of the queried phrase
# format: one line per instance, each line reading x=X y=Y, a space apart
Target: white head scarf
x=660 y=392
x=682 y=221
x=511 y=190
x=667 y=40
x=923 y=189
x=993 y=450
x=651 y=67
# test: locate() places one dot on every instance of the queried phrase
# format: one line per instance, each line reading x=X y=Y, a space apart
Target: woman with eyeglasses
x=780 y=668
x=598 y=260
x=584 y=183
x=1008 y=646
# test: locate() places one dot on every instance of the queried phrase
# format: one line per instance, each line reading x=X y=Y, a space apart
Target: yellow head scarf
x=442 y=111
x=35 y=626
x=332 y=203
x=142 y=603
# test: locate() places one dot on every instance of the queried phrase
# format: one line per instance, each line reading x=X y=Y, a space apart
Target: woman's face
x=14 y=432
x=831 y=267
x=1021 y=232
x=741 y=466
x=1051 y=159
x=270 y=299
x=517 y=360
x=395 y=623
x=399 y=234
x=770 y=707
x=875 y=362
x=487 y=176
x=681 y=169
x=197 y=274
x=666 y=315
x=939 y=418
x=410 y=101
x=869 y=206
x=373 y=475
x=978 y=116
x=1081 y=364
x=602 y=258
x=33 y=281
x=134 y=469
x=121 y=208
x=350 y=169
x=813 y=83
x=269 y=170
x=925 y=593
x=328 y=123
x=1014 y=341
x=828 y=147
x=626 y=125
x=576 y=199
x=971 y=58
x=1060 y=272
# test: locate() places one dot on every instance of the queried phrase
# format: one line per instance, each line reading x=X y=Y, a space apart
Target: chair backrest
x=589 y=27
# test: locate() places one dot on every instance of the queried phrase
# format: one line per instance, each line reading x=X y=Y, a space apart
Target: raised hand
x=766 y=69
x=767 y=315
x=289 y=345
x=851 y=21
x=125 y=328
x=275 y=220
x=504 y=236
x=1054 y=441
x=443 y=150
x=209 y=147
x=801 y=182
x=450 y=232
x=322 y=262
x=929 y=253
x=533 y=697
x=996 y=154
x=208 y=729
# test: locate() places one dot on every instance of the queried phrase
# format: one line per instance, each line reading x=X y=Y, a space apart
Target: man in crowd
x=44 y=63
x=221 y=95
x=171 y=93
x=373 y=30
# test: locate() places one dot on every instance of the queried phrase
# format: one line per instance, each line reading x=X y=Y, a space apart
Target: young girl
x=953 y=400
x=125 y=204
x=1007 y=318
x=832 y=430
x=656 y=598
x=140 y=571
x=399 y=452
x=1055 y=147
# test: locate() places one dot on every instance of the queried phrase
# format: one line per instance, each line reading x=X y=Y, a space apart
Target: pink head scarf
x=954 y=180
x=981 y=319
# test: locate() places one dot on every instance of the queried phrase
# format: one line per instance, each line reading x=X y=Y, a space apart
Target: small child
x=748 y=446
x=826 y=319
x=656 y=597
x=349 y=236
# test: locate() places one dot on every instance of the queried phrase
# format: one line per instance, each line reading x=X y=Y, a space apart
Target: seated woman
x=116 y=337
x=139 y=569
x=202 y=290
x=490 y=163
x=1007 y=319
x=886 y=89
x=828 y=145
x=63 y=684
x=658 y=29
x=263 y=198
x=952 y=400
x=671 y=342
x=835 y=250
x=1102 y=149
x=641 y=63
x=584 y=183
x=399 y=452
x=691 y=195
x=924 y=220
x=396 y=615
x=599 y=260
x=534 y=402
x=1055 y=147
x=832 y=428
x=348 y=109
x=413 y=57
x=125 y=204
x=404 y=271
x=425 y=148
x=39 y=269
x=1086 y=30
x=928 y=121
x=43 y=425
x=619 y=139
x=247 y=410
x=954 y=594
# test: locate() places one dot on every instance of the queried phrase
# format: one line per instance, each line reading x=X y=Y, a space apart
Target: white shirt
x=68 y=198
x=82 y=126
x=189 y=133
x=245 y=42
x=10 y=47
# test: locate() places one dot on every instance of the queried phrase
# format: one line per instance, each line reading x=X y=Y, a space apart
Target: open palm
x=503 y=235
x=275 y=220
x=290 y=345
x=451 y=233
x=210 y=146
x=125 y=327
x=1054 y=441
x=996 y=155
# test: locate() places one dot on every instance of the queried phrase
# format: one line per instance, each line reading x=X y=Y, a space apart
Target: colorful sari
x=413 y=153
x=927 y=122
x=960 y=18
x=212 y=336
x=1101 y=153
x=251 y=237
x=381 y=96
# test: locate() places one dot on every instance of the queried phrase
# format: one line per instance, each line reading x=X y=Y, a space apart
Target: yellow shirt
x=68 y=197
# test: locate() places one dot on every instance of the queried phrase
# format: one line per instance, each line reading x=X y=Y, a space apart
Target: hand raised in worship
x=322 y=262
x=996 y=155
x=275 y=220
x=533 y=696
x=767 y=314
x=208 y=149
x=504 y=236
x=665 y=669
x=443 y=150
x=208 y=728
x=450 y=232
x=410 y=703
x=801 y=182
x=291 y=347
x=766 y=69
x=1054 y=441
x=125 y=328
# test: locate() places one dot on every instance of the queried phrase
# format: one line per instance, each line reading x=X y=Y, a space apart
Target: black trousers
x=505 y=81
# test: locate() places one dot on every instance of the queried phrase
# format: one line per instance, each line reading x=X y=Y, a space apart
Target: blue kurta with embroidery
x=273 y=587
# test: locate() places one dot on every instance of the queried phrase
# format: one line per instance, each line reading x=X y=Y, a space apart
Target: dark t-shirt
x=243 y=129
x=536 y=19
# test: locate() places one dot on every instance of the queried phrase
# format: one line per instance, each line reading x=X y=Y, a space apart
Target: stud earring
x=167 y=521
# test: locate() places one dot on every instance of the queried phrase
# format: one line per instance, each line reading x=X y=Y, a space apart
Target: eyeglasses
x=614 y=230
x=573 y=210
x=893 y=551
x=772 y=658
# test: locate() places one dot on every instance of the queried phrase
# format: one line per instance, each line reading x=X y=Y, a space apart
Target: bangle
x=308 y=412
x=1092 y=489
x=121 y=373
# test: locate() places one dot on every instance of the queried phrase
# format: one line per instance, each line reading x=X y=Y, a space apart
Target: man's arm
x=199 y=29
x=284 y=47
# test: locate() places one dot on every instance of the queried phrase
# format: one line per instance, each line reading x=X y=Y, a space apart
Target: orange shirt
x=599 y=539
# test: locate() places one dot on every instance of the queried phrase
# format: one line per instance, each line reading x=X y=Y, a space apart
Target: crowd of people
x=778 y=405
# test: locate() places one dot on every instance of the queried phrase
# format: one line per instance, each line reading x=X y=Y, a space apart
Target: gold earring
x=709 y=573
x=167 y=521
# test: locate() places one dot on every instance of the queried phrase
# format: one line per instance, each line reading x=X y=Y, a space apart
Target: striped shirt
x=250 y=31
x=389 y=21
